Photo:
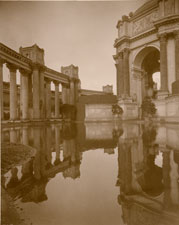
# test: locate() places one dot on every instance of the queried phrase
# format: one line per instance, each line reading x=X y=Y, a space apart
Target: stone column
x=163 y=63
x=42 y=95
x=72 y=92
x=30 y=96
x=48 y=98
x=120 y=78
x=76 y=90
x=36 y=92
x=126 y=72
x=68 y=95
x=56 y=99
x=24 y=94
x=1 y=89
x=13 y=92
x=64 y=93
x=175 y=84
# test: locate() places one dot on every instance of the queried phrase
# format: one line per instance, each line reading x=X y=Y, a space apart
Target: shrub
x=148 y=107
x=117 y=110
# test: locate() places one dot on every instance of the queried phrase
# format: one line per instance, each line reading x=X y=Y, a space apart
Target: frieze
x=144 y=23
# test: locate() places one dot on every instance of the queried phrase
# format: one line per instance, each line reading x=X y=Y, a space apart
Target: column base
x=130 y=109
x=162 y=94
x=175 y=87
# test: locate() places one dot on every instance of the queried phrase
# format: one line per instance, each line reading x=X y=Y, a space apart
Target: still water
x=96 y=173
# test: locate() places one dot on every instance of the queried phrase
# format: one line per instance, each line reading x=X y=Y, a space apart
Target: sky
x=79 y=33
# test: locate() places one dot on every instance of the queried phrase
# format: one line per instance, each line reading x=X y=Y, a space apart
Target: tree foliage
x=148 y=107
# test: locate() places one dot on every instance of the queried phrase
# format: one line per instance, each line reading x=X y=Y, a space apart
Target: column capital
x=72 y=79
x=11 y=67
x=56 y=82
x=47 y=80
x=37 y=66
x=126 y=50
x=176 y=34
x=162 y=37
x=120 y=55
x=24 y=72
x=2 y=61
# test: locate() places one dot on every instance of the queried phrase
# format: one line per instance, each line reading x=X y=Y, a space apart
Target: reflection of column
x=163 y=62
x=48 y=98
x=36 y=93
x=13 y=92
x=1 y=88
x=166 y=179
x=37 y=161
x=57 y=143
x=56 y=99
x=13 y=136
x=48 y=144
x=126 y=72
x=24 y=94
x=174 y=176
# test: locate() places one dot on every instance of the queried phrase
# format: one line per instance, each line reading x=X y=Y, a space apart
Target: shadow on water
x=147 y=168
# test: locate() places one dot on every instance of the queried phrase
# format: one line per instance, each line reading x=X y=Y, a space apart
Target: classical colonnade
x=35 y=87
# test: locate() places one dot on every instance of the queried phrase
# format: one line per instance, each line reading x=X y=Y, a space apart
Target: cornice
x=14 y=54
x=121 y=40
x=138 y=37
x=166 y=20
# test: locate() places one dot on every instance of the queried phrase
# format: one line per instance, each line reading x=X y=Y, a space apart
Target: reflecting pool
x=96 y=173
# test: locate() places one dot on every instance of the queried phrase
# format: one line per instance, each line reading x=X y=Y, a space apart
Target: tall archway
x=147 y=62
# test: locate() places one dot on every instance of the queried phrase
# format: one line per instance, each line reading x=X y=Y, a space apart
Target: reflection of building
x=149 y=193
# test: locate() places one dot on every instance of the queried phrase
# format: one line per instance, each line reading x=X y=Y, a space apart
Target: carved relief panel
x=144 y=23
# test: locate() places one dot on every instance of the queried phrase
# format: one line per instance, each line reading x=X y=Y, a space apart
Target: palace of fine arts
x=89 y=94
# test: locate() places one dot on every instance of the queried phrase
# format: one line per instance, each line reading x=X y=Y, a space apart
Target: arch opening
x=148 y=62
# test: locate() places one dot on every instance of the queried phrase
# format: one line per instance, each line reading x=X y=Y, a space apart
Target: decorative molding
x=144 y=23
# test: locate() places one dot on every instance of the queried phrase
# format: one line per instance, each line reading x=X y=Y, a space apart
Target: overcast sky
x=79 y=33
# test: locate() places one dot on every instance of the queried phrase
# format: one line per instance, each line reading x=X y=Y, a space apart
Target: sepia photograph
x=89 y=112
